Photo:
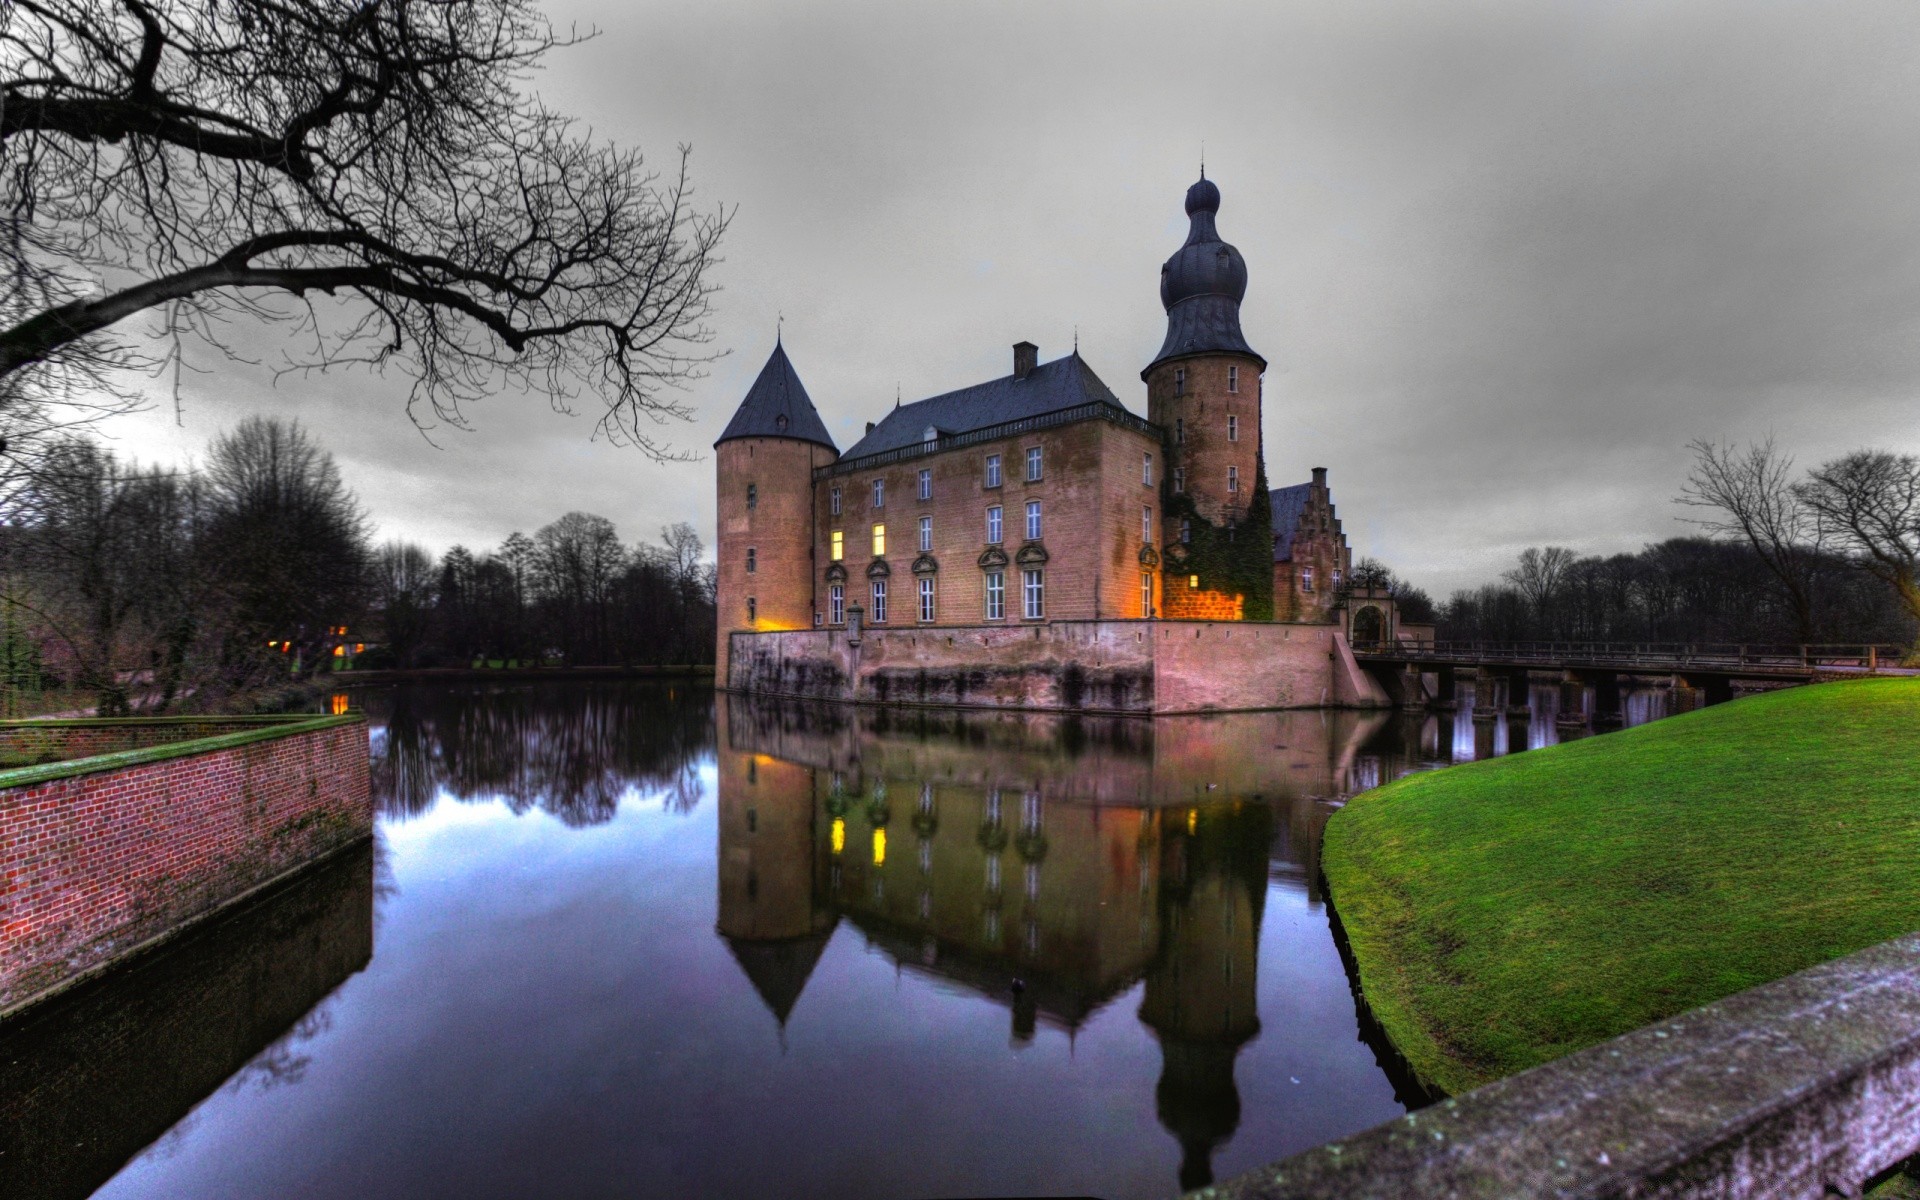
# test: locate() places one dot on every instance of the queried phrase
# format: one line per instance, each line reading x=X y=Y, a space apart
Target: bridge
x=1699 y=672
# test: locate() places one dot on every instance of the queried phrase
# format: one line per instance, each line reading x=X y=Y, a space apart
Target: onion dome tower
x=1203 y=391
x=764 y=543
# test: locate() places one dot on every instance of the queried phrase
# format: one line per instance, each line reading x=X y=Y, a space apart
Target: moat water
x=623 y=939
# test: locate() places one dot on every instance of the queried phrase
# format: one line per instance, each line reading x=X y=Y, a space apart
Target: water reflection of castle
x=1076 y=857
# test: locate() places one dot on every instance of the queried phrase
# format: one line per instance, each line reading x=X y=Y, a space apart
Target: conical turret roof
x=777 y=405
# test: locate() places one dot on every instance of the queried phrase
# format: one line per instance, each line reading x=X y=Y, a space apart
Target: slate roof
x=1063 y=383
x=1201 y=287
x=1288 y=504
x=777 y=405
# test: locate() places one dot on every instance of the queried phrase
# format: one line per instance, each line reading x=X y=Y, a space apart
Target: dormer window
x=780 y=422
x=931 y=435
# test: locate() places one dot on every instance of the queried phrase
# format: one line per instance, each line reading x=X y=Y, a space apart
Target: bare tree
x=1540 y=576
x=1871 y=498
x=1753 y=492
x=240 y=158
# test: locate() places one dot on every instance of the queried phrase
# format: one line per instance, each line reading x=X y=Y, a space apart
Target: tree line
x=153 y=590
x=1831 y=555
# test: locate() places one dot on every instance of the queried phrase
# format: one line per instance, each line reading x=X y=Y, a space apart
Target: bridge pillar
x=1682 y=696
x=1446 y=695
x=1487 y=688
x=1573 y=700
x=1404 y=685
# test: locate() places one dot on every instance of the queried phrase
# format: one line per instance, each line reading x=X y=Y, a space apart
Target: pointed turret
x=764 y=543
x=777 y=406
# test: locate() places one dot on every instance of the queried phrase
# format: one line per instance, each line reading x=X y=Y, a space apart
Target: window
x=1336 y=579
x=1033 y=463
x=993 y=525
x=1179 y=480
x=837 y=605
x=1033 y=596
x=1179 y=432
x=1033 y=520
x=1146 y=470
x=926 y=597
x=838 y=550
x=926 y=533
x=1233 y=379
x=1146 y=524
x=879 y=541
x=1179 y=381
x=879 y=614
x=1233 y=429
x=996 y=595
x=1186 y=531
x=993 y=470
x=753 y=609
x=1233 y=479
x=879 y=493
x=1030 y=809
x=751 y=555
x=926 y=485
x=1193 y=581
x=833 y=502
x=1146 y=593
x=1306 y=579
x=753 y=495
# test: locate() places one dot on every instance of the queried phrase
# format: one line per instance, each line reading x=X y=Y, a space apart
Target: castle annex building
x=1031 y=540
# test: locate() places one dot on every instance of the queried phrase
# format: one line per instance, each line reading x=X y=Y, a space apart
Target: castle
x=993 y=545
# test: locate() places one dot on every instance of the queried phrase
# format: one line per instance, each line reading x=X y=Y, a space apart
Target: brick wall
x=1090 y=492
x=775 y=522
x=1105 y=666
x=96 y=862
x=1194 y=413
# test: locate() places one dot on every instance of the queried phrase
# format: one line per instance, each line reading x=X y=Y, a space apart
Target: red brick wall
x=778 y=528
x=91 y=865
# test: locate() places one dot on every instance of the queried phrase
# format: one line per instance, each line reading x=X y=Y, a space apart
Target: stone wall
x=27 y=743
x=1141 y=667
x=102 y=854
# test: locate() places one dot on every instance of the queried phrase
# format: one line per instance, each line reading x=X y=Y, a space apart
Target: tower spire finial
x=1203 y=158
x=779 y=326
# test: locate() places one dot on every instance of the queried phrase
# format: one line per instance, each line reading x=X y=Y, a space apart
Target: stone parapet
x=1805 y=1087
x=102 y=853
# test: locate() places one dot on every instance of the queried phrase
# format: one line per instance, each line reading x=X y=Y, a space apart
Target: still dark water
x=622 y=940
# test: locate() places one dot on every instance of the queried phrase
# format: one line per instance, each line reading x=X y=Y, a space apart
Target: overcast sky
x=1506 y=259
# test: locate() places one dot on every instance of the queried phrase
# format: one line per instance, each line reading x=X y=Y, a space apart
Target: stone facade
x=102 y=854
x=766 y=535
x=1311 y=557
x=1142 y=667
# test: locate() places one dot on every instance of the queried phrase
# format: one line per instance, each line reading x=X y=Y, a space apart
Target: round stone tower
x=765 y=535
x=1203 y=391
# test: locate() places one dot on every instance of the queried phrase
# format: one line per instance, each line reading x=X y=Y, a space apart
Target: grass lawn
x=1507 y=912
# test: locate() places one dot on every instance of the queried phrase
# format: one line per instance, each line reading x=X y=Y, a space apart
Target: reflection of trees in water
x=570 y=749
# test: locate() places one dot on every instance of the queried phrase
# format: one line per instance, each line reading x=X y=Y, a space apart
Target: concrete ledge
x=1805 y=1087
x=193 y=738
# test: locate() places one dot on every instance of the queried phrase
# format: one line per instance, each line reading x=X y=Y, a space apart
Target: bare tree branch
x=1753 y=492
x=210 y=156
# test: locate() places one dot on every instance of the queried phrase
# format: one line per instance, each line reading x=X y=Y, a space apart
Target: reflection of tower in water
x=1201 y=999
x=768 y=912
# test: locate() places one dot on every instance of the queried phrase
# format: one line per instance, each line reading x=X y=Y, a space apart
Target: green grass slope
x=1508 y=912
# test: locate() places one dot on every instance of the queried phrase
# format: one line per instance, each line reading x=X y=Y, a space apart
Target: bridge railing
x=1833 y=656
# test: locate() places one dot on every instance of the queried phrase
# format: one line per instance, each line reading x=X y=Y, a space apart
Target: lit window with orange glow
x=337 y=704
x=879 y=847
x=839 y=834
x=879 y=541
x=839 y=550
x=1193 y=581
x=1193 y=819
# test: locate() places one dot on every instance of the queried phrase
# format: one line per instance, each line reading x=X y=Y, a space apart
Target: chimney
x=869 y=426
x=1320 y=478
x=1026 y=356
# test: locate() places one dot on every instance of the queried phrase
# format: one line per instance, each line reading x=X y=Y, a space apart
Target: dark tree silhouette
x=1753 y=494
x=253 y=158
x=1871 y=499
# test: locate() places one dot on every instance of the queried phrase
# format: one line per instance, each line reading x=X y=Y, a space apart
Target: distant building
x=1035 y=498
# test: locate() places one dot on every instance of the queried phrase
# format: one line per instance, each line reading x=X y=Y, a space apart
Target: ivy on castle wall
x=1236 y=558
